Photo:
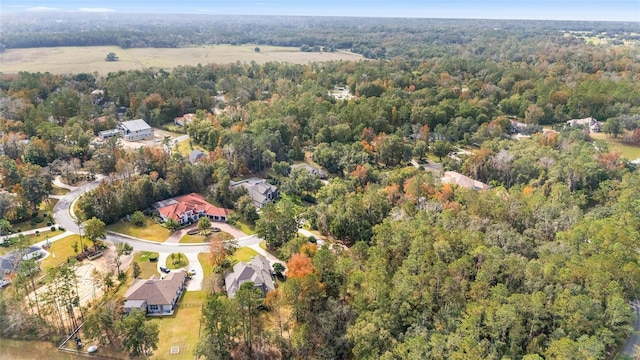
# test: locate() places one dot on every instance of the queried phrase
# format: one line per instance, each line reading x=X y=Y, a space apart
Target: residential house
x=196 y=155
x=260 y=190
x=184 y=120
x=452 y=177
x=156 y=296
x=189 y=208
x=319 y=173
x=591 y=122
x=258 y=270
x=134 y=130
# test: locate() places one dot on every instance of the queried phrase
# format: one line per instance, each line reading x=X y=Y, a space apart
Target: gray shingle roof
x=257 y=270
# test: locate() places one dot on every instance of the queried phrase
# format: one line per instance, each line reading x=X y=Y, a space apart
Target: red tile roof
x=191 y=202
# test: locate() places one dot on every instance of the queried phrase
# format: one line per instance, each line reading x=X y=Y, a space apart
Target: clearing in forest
x=89 y=59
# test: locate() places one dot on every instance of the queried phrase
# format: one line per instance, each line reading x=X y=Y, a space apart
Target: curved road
x=62 y=213
x=633 y=341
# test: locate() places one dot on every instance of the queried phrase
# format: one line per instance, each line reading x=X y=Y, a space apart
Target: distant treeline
x=373 y=38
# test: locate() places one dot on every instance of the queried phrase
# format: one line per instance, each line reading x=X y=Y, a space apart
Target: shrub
x=153 y=258
x=48 y=224
x=37 y=232
x=61 y=228
x=53 y=229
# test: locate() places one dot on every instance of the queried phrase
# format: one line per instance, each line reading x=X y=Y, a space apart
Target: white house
x=135 y=130
x=184 y=119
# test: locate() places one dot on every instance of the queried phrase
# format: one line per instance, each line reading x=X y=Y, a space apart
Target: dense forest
x=541 y=266
x=372 y=37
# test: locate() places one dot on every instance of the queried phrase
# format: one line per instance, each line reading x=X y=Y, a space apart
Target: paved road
x=634 y=338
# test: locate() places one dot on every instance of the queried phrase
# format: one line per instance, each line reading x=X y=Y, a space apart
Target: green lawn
x=244 y=254
x=32 y=239
x=245 y=227
x=60 y=251
x=207 y=268
x=628 y=151
x=182 y=329
x=175 y=263
x=148 y=268
x=150 y=231
x=55 y=190
x=221 y=235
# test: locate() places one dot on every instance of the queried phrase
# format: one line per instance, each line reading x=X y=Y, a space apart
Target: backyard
x=628 y=151
x=151 y=230
x=181 y=329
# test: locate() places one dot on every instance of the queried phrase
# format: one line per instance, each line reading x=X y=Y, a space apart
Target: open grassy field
x=61 y=250
x=207 y=268
x=628 y=151
x=66 y=60
x=181 y=329
x=150 y=231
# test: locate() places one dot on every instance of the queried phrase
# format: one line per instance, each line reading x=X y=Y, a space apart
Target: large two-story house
x=260 y=190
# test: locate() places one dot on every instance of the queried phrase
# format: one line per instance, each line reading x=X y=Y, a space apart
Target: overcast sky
x=613 y=10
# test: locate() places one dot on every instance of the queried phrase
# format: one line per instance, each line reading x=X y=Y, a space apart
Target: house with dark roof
x=189 y=208
x=156 y=296
x=135 y=130
x=258 y=271
x=196 y=155
x=453 y=177
x=260 y=190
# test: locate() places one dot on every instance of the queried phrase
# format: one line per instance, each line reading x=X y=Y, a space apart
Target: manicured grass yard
x=244 y=254
x=181 y=329
x=221 y=235
x=148 y=268
x=207 y=268
x=61 y=250
x=245 y=227
x=178 y=264
x=150 y=231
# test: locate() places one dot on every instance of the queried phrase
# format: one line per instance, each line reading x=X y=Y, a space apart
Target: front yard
x=32 y=239
x=148 y=268
x=61 y=250
x=151 y=230
x=243 y=254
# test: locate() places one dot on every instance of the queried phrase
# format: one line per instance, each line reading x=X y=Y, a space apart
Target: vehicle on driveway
x=192 y=272
x=164 y=270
